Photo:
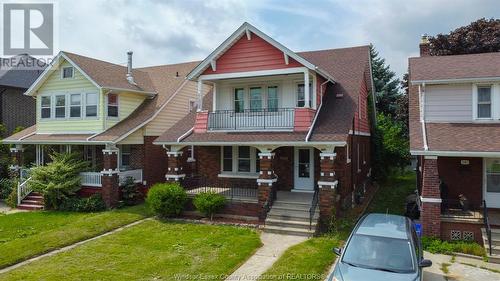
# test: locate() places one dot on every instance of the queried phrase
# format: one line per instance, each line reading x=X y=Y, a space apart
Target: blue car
x=381 y=247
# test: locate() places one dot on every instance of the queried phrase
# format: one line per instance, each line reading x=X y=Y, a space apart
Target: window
x=227 y=165
x=257 y=161
x=192 y=106
x=91 y=105
x=239 y=100
x=46 y=107
x=493 y=175
x=244 y=159
x=125 y=156
x=272 y=98
x=484 y=102
x=60 y=106
x=301 y=98
x=255 y=98
x=67 y=72
x=75 y=109
x=112 y=105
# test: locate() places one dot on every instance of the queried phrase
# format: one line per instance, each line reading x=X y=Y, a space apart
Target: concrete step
x=34 y=197
x=291 y=223
x=494 y=259
x=30 y=207
x=289 y=230
x=290 y=215
x=34 y=193
x=291 y=207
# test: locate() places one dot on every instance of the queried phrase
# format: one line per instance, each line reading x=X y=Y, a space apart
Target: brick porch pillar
x=327 y=185
x=17 y=157
x=175 y=171
x=431 y=198
x=266 y=180
x=109 y=176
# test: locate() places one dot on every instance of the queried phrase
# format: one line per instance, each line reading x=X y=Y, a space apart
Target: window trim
x=493 y=102
x=311 y=94
x=72 y=72
x=262 y=96
x=49 y=107
x=243 y=100
x=71 y=106
x=234 y=163
x=96 y=105
x=129 y=153
x=117 y=106
x=65 y=106
x=277 y=96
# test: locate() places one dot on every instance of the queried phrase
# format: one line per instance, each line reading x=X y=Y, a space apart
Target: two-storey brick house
x=454 y=132
x=277 y=125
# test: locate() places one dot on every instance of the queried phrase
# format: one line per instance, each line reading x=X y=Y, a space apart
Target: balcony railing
x=279 y=119
x=135 y=174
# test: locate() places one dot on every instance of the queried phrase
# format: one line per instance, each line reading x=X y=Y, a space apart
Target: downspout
x=317 y=112
x=421 y=96
x=183 y=136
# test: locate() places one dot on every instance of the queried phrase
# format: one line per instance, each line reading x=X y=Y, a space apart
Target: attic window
x=67 y=72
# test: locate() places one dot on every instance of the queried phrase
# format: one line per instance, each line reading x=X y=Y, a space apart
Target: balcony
x=93 y=179
x=252 y=120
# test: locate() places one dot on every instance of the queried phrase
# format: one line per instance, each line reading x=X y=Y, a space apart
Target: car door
x=417 y=245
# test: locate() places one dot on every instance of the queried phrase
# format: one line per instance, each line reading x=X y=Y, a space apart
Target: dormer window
x=67 y=72
x=112 y=105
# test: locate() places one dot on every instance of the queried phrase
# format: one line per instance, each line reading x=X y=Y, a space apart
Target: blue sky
x=161 y=32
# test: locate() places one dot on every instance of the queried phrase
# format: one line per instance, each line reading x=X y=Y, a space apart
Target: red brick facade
x=109 y=179
x=431 y=211
x=461 y=178
x=463 y=228
x=155 y=164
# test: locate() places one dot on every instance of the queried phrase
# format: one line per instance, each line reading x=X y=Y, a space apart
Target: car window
x=380 y=253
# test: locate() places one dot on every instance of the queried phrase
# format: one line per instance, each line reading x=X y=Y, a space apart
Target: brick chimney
x=424 y=45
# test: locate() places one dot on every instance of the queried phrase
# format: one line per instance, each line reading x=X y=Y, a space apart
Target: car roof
x=384 y=225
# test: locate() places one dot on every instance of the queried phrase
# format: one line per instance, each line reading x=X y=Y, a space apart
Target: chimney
x=424 y=45
x=130 y=78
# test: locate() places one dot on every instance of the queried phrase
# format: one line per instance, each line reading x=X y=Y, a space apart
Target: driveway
x=460 y=269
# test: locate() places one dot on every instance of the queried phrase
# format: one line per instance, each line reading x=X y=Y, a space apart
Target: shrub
x=130 y=192
x=12 y=199
x=435 y=245
x=59 y=179
x=93 y=203
x=166 y=199
x=6 y=187
x=209 y=203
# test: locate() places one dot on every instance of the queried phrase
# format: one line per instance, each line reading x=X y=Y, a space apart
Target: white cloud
x=162 y=32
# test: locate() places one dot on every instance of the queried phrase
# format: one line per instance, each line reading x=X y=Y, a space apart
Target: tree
x=402 y=110
x=396 y=147
x=5 y=158
x=481 y=36
x=386 y=85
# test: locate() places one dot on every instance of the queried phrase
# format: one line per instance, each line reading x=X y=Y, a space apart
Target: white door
x=492 y=183
x=304 y=169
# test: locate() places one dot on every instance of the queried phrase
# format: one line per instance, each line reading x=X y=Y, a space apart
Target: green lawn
x=28 y=234
x=391 y=195
x=309 y=260
x=152 y=250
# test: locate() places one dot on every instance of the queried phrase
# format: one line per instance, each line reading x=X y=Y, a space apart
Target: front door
x=304 y=169
x=492 y=183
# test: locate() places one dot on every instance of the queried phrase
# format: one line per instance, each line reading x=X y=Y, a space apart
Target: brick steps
x=32 y=202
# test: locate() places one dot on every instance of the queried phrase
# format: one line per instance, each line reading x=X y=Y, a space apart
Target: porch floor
x=234 y=193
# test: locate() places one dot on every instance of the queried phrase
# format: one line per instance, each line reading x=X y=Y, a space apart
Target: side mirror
x=425 y=263
x=337 y=251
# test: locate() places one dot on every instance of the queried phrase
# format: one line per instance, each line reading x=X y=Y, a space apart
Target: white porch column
x=307 y=97
x=200 y=95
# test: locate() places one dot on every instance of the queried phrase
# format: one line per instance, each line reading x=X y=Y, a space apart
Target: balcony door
x=304 y=169
x=492 y=183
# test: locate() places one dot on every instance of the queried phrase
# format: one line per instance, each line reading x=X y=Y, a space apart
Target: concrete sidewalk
x=274 y=245
x=460 y=269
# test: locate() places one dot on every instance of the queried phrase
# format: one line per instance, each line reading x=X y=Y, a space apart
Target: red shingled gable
x=251 y=55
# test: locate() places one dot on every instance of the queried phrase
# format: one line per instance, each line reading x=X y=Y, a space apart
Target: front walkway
x=460 y=269
x=274 y=245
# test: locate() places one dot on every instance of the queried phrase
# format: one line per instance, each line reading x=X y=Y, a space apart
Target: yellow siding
x=174 y=111
x=134 y=138
x=77 y=84
x=127 y=103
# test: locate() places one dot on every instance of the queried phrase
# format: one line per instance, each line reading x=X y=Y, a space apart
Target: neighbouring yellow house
x=110 y=114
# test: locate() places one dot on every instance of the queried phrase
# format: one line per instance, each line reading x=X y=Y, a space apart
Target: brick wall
x=447 y=227
x=136 y=156
x=233 y=208
x=155 y=162
x=283 y=167
x=16 y=109
x=431 y=212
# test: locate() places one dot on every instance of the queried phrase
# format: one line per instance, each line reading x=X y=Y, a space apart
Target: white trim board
x=456 y=153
